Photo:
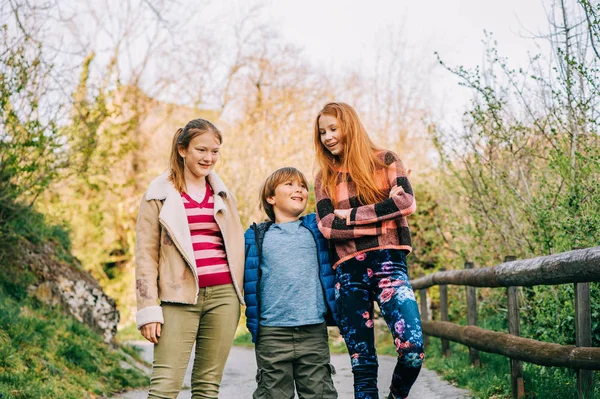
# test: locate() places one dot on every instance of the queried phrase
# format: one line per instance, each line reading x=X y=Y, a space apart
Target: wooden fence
x=579 y=267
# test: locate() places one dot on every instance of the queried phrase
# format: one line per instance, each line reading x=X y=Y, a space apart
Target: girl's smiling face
x=201 y=155
x=330 y=135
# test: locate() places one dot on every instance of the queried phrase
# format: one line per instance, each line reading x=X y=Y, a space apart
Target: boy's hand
x=341 y=213
x=151 y=332
x=396 y=190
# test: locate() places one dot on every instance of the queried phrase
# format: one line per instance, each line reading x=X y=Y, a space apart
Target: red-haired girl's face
x=330 y=134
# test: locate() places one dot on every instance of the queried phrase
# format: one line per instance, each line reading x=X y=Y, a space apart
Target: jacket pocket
x=261 y=391
x=332 y=370
x=258 y=377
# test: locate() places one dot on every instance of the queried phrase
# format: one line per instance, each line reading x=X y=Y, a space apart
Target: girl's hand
x=341 y=213
x=151 y=332
x=396 y=190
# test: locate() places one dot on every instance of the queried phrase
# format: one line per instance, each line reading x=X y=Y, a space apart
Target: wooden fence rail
x=519 y=348
x=579 y=267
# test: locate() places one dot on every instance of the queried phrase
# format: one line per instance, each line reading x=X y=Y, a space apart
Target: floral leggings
x=379 y=276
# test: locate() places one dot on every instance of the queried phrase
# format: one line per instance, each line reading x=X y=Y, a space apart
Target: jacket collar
x=260 y=230
x=172 y=213
x=161 y=187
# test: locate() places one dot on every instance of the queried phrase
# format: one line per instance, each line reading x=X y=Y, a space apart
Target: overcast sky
x=336 y=34
x=345 y=35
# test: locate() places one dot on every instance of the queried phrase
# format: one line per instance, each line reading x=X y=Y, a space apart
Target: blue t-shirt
x=290 y=291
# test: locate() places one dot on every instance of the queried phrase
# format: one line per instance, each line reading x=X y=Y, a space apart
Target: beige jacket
x=165 y=267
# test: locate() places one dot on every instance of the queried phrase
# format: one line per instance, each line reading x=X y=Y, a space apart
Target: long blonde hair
x=181 y=139
x=360 y=155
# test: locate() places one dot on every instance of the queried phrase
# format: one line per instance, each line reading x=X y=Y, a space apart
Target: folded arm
x=334 y=228
x=397 y=205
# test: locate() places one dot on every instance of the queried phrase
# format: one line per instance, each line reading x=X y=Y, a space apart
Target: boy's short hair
x=276 y=178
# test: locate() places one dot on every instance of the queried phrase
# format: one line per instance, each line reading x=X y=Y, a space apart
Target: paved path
x=238 y=380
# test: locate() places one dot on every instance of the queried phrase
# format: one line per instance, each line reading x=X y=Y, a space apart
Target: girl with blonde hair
x=363 y=200
x=189 y=266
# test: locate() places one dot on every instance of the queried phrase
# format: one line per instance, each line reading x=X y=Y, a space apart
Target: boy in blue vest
x=289 y=289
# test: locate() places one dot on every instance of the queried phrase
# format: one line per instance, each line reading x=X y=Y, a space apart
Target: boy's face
x=290 y=199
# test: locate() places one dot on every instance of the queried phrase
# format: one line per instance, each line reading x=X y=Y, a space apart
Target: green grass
x=19 y=222
x=242 y=335
x=492 y=380
x=135 y=352
x=45 y=353
x=128 y=332
x=243 y=339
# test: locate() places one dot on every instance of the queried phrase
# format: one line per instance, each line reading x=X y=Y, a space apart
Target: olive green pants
x=288 y=356
x=211 y=325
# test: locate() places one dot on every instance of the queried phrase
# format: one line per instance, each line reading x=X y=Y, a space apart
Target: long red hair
x=359 y=159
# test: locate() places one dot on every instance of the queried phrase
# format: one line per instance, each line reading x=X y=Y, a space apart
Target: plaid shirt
x=367 y=227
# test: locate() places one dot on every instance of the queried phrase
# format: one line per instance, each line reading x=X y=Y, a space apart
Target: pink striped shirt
x=207 y=241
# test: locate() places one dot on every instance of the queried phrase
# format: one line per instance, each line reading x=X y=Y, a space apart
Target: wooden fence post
x=514 y=328
x=424 y=313
x=444 y=315
x=583 y=337
x=472 y=317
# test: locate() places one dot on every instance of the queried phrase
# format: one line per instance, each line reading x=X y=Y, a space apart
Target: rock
x=66 y=284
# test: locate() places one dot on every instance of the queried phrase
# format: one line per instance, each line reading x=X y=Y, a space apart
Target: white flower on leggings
x=405 y=294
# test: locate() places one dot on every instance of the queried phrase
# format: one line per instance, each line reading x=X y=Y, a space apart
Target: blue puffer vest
x=253 y=240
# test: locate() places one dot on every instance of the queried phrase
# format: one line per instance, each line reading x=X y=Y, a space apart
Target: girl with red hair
x=363 y=200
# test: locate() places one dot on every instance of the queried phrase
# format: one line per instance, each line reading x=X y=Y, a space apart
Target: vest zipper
x=319 y=261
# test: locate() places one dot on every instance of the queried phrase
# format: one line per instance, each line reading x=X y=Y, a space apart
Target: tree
x=30 y=139
x=523 y=173
x=527 y=161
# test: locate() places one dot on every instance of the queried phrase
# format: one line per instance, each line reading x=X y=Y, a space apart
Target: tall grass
x=492 y=380
x=45 y=353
